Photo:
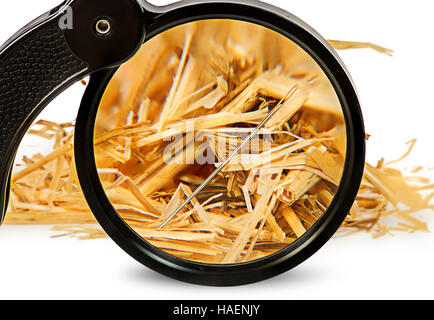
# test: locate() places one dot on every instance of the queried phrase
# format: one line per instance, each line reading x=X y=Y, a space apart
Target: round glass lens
x=220 y=142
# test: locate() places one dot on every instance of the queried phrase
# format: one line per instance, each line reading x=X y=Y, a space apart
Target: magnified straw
x=229 y=159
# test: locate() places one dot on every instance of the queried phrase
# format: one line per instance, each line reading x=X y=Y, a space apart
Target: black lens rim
x=282 y=261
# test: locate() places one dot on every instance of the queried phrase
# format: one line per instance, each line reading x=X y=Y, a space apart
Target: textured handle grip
x=32 y=69
x=42 y=60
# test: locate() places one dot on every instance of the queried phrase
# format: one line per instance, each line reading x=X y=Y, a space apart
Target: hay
x=263 y=200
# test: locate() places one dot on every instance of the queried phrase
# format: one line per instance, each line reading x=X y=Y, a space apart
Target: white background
x=398 y=104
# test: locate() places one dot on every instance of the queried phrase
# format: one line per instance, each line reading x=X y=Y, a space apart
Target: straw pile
x=203 y=84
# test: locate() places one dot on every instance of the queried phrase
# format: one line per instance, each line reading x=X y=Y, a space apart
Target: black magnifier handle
x=53 y=52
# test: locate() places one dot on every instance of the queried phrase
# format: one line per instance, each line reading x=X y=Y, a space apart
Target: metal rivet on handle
x=103 y=27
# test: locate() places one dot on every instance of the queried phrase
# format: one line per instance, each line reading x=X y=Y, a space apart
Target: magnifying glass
x=218 y=143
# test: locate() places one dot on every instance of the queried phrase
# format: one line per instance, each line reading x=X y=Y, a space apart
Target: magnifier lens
x=180 y=109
